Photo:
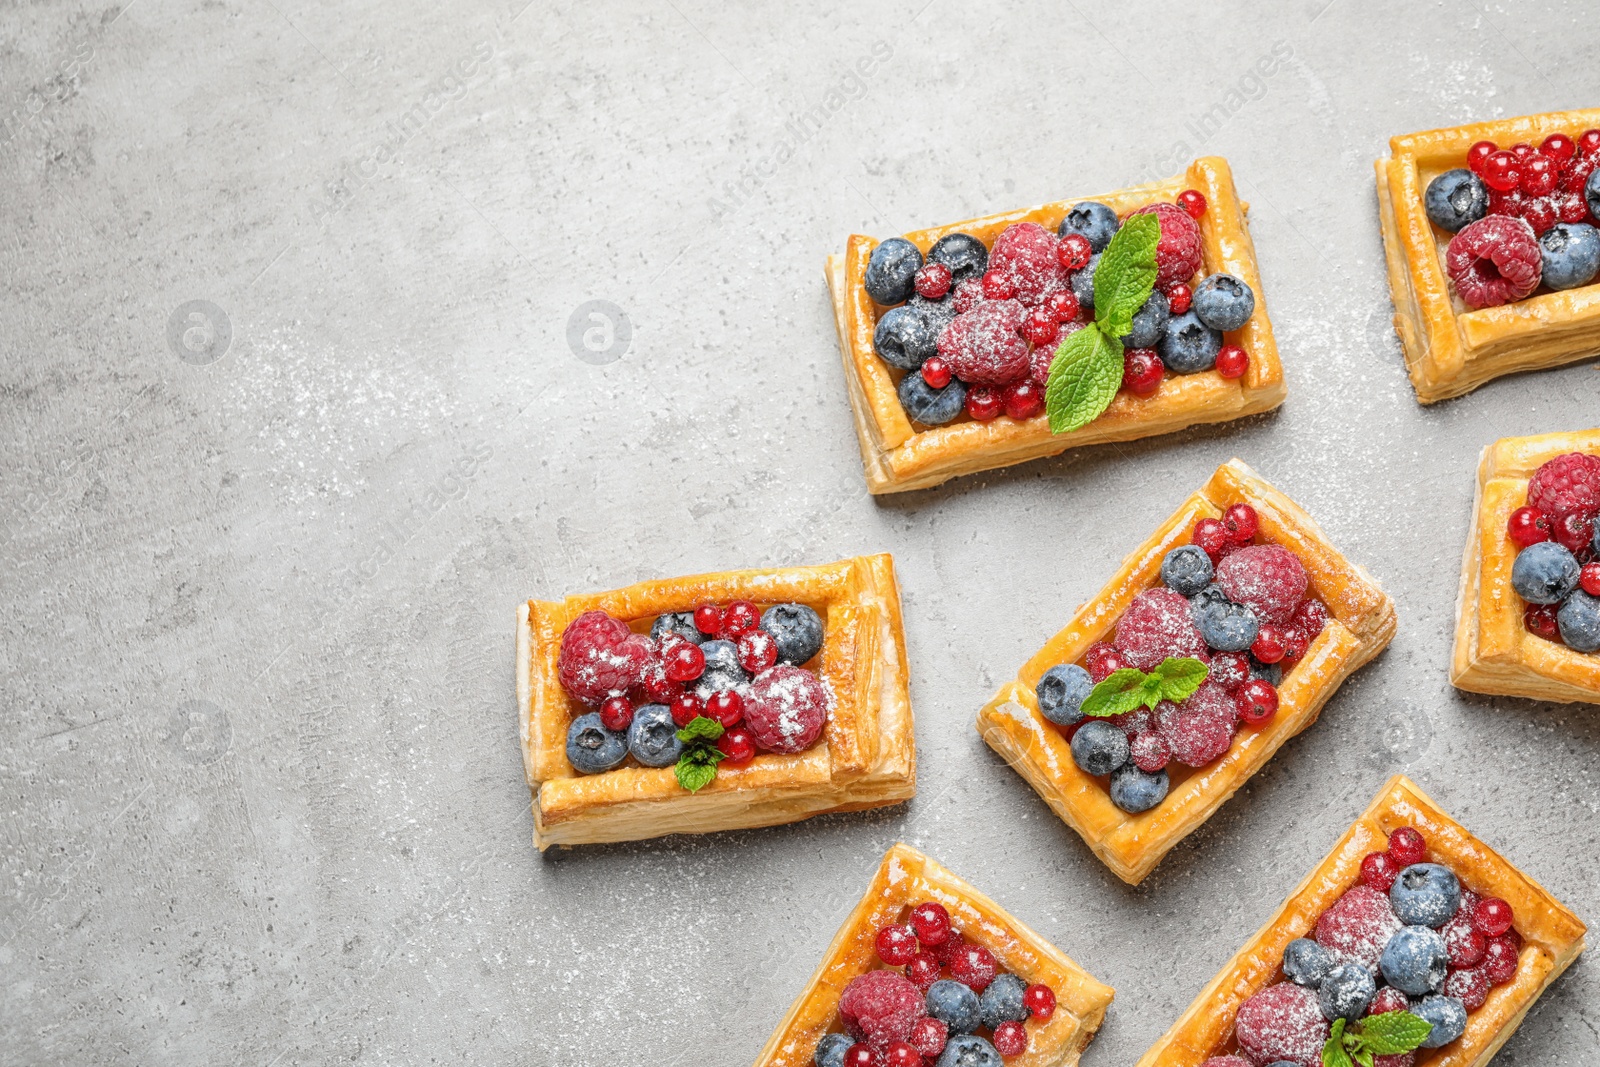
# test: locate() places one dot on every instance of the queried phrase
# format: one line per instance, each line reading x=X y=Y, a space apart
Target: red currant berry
x=1570 y=207
x=685 y=662
x=1527 y=527
x=1379 y=870
x=1589 y=142
x=1229 y=669
x=1559 y=147
x=1505 y=203
x=860 y=1054
x=969 y=294
x=1074 y=251
x=1589 y=578
x=1063 y=306
x=757 y=650
x=974 y=965
x=1539 y=214
x=1270 y=643
x=1142 y=371
x=616 y=714
x=1478 y=153
x=900 y=1054
x=1193 y=202
x=741 y=617
x=946 y=952
x=1178 y=297
x=1573 y=532
x=738 y=746
x=1242 y=523
x=1500 y=172
x=923 y=970
x=1470 y=986
x=1538 y=176
x=1023 y=400
x=1257 y=701
x=1540 y=621
x=928 y=1034
x=726 y=706
x=1310 y=617
x=1500 y=960
x=936 y=372
x=1010 y=1039
x=1212 y=536
x=1523 y=151
x=1492 y=917
x=1407 y=846
x=897 y=944
x=983 y=403
x=686 y=707
x=1041 y=327
x=998 y=286
x=708 y=619
x=1149 y=752
x=933 y=281
x=1040 y=1000
x=1232 y=362
x=1295 y=644
x=931 y=923
x=1102 y=661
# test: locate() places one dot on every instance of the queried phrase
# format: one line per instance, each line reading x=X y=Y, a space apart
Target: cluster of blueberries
x=1547 y=573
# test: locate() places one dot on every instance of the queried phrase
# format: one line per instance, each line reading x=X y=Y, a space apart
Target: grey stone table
x=303 y=391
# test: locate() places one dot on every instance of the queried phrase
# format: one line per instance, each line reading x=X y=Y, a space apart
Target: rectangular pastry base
x=1494 y=652
x=906 y=878
x=1451 y=350
x=899 y=457
x=1552 y=936
x=866 y=759
x=1361 y=624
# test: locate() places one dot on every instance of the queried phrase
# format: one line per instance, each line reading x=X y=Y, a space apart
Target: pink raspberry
x=1025 y=255
x=1401 y=1059
x=1494 y=261
x=1040 y=358
x=1178 y=254
x=1201 y=728
x=600 y=657
x=1157 y=625
x=879 y=1007
x=1567 y=485
x=1282 y=1022
x=787 y=708
x=1357 y=926
x=1388 y=999
x=983 y=346
x=1137 y=721
x=1268 y=579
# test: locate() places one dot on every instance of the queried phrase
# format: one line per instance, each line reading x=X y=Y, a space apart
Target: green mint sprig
x=1174 y=679
x=697 y=764
x=1393 y=1033
x=1087 y=369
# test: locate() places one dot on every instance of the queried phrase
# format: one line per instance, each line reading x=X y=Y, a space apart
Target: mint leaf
x=1121 y=692
x=1365 y=1057
x=1179 y=677
x=1333 y=1053
x=1127 y=273
x=694 y=776
x=1084 y=377
x=700 y=728
x=1393 y=1032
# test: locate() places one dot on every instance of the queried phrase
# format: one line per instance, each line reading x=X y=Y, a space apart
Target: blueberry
x=1149 y=322
x=1270 y=672
x=964 y=254
x=1579 y=619
x=1425 y=894
x=591 y=748
x=1061 y=692
x=930 y=406
x=892 y=271
x=1211 y=594
x=1187 y=570
x=1134 y=791
x=1189 y=345
x=653 y=737
x=969 y=1050
x=1306 y=963
x=1591 y=192
x=1595 y=544
x=722 y=669
x=1345 y=992
x=904 y=338
x=1455 y=198
x=1448 y=1016
x=1570 y=252
x=1094 y=221
x=1415 y=960
x=1099 y=747
x=955 y=1005
x=1226 y=626
x=1224 y=302
x=831 y=1049
x=937 y=313
x=1002 y=1001
x=1083 y=284
x=796 y=628
x=676 y=622
x=1544 y=573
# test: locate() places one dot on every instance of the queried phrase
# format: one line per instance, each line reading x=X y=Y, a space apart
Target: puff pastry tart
x=1218 y=639
x=948 y=334
x=1533 y=536
x=927 y=961
x=791 y=700
x=1487 y=229
x=1408 y=913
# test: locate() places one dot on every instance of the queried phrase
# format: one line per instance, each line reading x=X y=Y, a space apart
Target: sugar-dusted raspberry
x=1149 y=752
x=1494 y=261
x=786 y=709
x=1388 y=999
x=1138 y=721
x=968 y=295
x=1158 y=624
x=600 y=657
x=1268 y=579
x=1566 y=485
x=1469 y=985
x=973 y=965
x=1357 y=927
x=1102 y=661
x=928 y=1036
x=1178 y=254
x=1201 y=728
x=880 y=1006
x=1026 y=255
x=1398 y=1059
x=1282 y=1022
x=1042 y=356
x=983 y=346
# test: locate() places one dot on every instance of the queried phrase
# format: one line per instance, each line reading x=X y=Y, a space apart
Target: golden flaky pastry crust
x=906 y=878
x=899 y=457
x=867 y=759
x=1494 y=652
x=1450 y=349
x=1361 y=624
x=1552 y=936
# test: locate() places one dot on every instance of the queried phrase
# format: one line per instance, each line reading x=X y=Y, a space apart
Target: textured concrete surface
x=262 y=796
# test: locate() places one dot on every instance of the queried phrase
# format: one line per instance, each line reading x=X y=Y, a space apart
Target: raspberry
x=1135 y=722
x=1357 y=927
x=879 y=1007
x=1102 y=661
x=600 y=657
x=1026 y=255
x=968 y=295
x=1040 y=1001
x=1494 y=261
x=1407 y=846
x=923 y=970
x=1388 y=999
x=1042 y=356
x=928 y=1036
x=1282 y=1022
x=787 y=708
x=973 y=965
x=896 y=944
x=931 y=923
x=1178 y=254
x=983 y=346
x=1267 y=579
x=1471 y=987
x=1150 y=753
x=1010 y=1038
x=1379 y=870
x=1228 y=1061
x=1201 y=728
x=1157 y=625
x=1566 y=485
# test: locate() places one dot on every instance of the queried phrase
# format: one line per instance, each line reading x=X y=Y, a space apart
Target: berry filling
x=1557 y=567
